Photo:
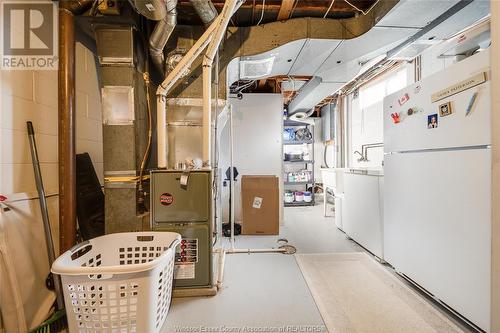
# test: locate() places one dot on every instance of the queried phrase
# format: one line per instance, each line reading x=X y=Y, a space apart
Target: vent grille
x=413 y=50
x=255 y=69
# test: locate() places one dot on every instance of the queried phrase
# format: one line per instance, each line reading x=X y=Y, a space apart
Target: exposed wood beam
x=262 y=83
x=285 y=9
x=294 y=77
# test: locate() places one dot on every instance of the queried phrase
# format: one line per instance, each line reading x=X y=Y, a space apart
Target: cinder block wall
x=32 y=96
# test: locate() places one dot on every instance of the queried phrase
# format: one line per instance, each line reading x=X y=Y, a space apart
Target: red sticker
x=166 y=199
x=404 y=99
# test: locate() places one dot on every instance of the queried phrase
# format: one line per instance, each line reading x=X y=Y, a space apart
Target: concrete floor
x=266 y=292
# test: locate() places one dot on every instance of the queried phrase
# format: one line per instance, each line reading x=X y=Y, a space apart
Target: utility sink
x=372 y=171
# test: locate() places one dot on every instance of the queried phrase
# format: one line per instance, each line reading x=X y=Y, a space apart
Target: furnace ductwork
x=77 y=7
x=161 y=34
x=205 y=10
x=164 y=28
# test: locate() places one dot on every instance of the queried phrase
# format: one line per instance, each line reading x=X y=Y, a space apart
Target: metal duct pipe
x=296 y=104
x=76 y=6
x=205 y=10
x=161 y=34
x=300 y=115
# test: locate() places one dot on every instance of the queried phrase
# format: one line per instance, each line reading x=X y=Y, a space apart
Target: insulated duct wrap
x=125 y=126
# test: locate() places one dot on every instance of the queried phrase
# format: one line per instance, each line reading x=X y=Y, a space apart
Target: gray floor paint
x=265 y=292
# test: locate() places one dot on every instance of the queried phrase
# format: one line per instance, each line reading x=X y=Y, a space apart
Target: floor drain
x=289 y=249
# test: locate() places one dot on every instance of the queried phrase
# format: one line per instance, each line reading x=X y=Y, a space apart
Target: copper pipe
x=66 y=129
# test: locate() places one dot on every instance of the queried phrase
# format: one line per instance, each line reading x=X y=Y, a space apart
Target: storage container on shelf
x=299 y=196
x=119 y=282
x=289 y=197
x=307 y=196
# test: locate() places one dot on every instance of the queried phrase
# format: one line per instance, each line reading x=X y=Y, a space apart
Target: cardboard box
x=260 y=205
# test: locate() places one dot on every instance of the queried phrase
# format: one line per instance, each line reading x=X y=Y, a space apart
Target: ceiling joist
x=285 y=9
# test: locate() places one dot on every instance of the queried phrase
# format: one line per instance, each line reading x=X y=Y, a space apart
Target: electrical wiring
x=293 y=9
x=262 y=13
x=329 y=8
x=150 y=137
x=362 y=11
x=243 y=87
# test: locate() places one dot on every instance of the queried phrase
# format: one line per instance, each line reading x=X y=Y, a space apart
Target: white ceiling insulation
x=336 y=62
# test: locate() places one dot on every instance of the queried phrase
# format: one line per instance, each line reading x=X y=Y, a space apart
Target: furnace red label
x=166 y=199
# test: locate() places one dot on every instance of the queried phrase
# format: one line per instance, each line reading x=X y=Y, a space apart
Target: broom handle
x=45 y=213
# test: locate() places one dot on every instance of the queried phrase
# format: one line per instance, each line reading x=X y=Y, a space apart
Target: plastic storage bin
x=118 y=282
x=307 y=196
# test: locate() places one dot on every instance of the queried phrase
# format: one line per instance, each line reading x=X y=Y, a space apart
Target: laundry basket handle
x=80 y=249
x=174 y=243
x=76 y=247
x=148 y=238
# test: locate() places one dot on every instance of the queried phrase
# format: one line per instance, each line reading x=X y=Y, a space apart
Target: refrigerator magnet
x=413 y=110
x=445 y=109
x=472 y=101
x=396 y=118
x=432 y=121
x=405 y=98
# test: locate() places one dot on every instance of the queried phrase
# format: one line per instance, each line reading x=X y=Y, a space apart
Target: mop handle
x=45 y=212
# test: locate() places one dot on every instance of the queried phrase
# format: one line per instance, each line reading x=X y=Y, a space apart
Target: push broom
x=57 y=321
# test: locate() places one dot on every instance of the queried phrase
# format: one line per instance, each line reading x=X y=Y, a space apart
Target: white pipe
x=233 y=249
x=167 y=84
x=221 y=263
x=228 y=10
x=248 y=251
x=207 y=115
x=172 y=78
x=162 y=134
x=187 y=60
x=231 y=171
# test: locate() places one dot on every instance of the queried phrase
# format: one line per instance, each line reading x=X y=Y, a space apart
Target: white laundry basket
x=119 y=282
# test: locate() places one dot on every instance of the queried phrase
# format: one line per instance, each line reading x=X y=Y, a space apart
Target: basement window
x=374 y=92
